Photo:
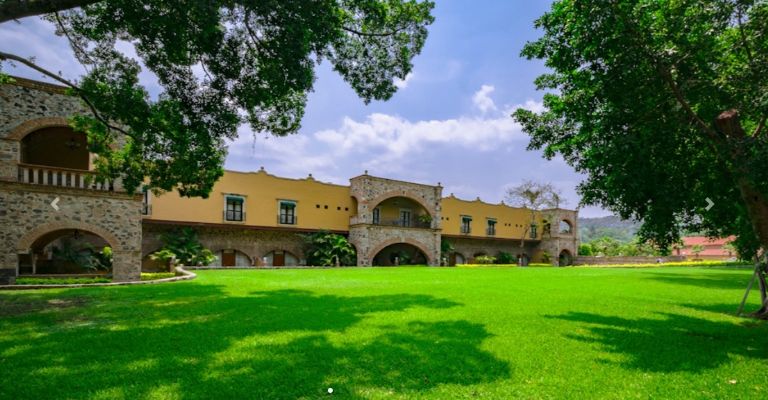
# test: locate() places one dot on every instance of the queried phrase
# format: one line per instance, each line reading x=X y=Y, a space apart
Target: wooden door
x=228 y=259
x=279 y=259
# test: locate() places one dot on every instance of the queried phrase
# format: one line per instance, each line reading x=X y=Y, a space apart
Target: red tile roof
x=689 y=241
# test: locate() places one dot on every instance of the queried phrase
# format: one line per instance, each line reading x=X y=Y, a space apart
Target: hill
x=610 y=226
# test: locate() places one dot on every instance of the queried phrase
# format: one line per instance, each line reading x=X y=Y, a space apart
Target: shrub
x=183 y=245
x=60 y=281
x=504 y=258
x=151 y=276
x=485 y=260
x=327 y=249
x=585 y=249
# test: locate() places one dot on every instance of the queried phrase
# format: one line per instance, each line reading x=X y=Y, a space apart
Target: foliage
x=183 y=245
x=485 y=259
x=83 y=255
x=609 y=247
x=446 y=248
x=662 y=105
x=696 y=249
x=611 y=226
x=329 y=249
x=151 y=276
x=218 y=64
x=61 y=281
x=585 y=249
x=546 y=258
x=504 y=257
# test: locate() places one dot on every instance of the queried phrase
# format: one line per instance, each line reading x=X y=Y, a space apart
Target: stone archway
x=415 y=243
x=26 y=241
x=126 y=262
x=32 y=125
x=402 y=193
x=565 y=258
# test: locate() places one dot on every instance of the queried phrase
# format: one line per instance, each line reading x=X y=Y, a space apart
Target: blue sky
x=448 y=123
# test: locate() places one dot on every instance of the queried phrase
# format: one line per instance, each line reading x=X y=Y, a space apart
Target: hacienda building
x=48 y=201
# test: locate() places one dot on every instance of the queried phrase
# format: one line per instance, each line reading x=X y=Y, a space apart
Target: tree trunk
x=756 y=202
x=15 y=9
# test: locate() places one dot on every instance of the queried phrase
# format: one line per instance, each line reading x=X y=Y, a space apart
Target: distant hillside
x=611 y=226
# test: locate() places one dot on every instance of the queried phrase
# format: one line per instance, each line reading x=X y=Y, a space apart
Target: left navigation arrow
x=55 y=204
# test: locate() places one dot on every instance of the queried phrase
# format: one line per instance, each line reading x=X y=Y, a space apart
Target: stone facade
x=562 y=247
x=255 y=243
x=369 y=238
x=467 y=248
x=26 y=213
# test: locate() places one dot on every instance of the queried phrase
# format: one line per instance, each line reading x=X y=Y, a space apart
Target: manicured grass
x=436 y=333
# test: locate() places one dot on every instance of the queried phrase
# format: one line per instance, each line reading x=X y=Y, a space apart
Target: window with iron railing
x=405 y=218
x=234 y=209
x=287 y=213
x=533 y=231
x=376 y=216
x=490 y=230
x=466 y=222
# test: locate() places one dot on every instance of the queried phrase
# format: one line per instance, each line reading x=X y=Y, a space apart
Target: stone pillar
x=9 y=258
x=126 y=266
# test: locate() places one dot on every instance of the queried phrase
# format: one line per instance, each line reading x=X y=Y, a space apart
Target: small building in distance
x=712 y=248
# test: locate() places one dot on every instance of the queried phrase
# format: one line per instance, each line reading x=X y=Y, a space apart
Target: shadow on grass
x=196 y=341
x=723 y=279
x=672 y=343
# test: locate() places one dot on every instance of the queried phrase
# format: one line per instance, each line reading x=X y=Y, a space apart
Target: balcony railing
x=287 y=220
x=490 y=231
x=63 y=177
x=404 y=224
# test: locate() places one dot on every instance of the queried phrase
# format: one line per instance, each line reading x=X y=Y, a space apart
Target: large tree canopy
x=662 y=104
x=220 y=64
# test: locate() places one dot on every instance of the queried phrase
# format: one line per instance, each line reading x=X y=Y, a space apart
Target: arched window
x=566 y=227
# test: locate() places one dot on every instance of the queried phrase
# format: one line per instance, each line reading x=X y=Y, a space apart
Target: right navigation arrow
x=710 y=203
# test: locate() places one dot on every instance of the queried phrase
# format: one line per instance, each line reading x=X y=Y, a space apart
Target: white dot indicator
x=330 y=390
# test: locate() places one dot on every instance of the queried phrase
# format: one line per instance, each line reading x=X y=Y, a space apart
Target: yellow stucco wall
x=510 y=221
x=262 y=192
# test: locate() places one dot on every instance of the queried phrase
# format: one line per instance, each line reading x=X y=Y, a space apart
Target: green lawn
x=391 y=333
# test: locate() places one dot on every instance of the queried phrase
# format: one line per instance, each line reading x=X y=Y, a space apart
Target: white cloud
x=403 y=83
x=482 y=100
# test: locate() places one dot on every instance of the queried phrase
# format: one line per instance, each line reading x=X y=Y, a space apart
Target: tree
x=696 y=249
x=535 y=197
x=219 y=64
x=329 y=249
x=662 y=105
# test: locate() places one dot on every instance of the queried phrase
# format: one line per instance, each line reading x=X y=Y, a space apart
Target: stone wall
x=28 y=106
x=255 y=243
x=468 y=247
x=369 y=239
x=555 y=242
x=26 y=215
x=592 y=260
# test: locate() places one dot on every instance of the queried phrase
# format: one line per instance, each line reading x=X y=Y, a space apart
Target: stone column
x=126 y=266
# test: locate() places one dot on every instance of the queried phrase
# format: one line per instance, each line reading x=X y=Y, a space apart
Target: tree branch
x=383 y=34
x=759 y=128
x=667 y=77
x=15 y=9
x=80 y=92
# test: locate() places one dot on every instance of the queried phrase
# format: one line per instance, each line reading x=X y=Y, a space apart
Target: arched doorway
x=400 y=254
x=456 y=258
x=58 y=147
x=566 y=258
x=232 y=258
x=280 y=258
x=69 y=252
